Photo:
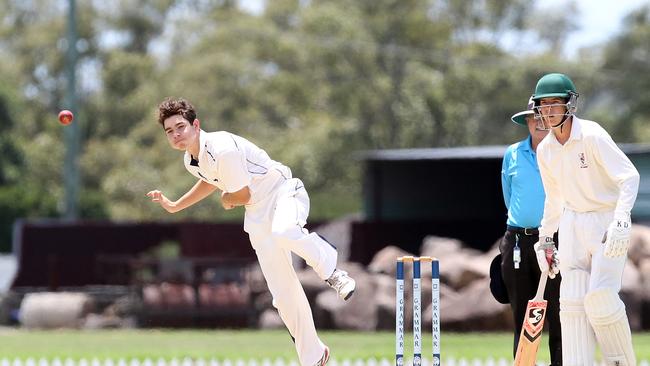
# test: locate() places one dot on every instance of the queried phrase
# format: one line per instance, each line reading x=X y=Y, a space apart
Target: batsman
x=523 y=194
x=590 y=186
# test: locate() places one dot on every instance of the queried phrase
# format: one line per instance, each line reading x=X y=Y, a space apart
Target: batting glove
x=547 y=257
x=617 y=237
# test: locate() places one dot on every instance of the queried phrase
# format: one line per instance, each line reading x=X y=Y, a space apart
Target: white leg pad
x=578 y=339
x=607 y=315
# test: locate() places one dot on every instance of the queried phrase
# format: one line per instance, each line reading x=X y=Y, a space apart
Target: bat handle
x=542 y=286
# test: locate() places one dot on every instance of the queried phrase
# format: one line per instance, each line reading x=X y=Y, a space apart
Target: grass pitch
x=250 y=344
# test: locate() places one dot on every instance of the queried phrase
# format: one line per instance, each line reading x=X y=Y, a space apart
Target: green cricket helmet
x=554 y=85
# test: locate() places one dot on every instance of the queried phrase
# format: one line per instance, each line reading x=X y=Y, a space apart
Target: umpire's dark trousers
x=522 y=285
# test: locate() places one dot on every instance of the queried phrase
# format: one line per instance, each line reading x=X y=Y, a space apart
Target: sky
x=598 y=20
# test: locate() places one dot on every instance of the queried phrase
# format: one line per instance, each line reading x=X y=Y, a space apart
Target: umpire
x=523 y=194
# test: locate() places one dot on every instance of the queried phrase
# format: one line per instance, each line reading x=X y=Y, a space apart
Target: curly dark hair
x=173 y=106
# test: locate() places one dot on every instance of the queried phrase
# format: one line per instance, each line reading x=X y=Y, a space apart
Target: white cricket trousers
x=585 y=270
x=276 y=229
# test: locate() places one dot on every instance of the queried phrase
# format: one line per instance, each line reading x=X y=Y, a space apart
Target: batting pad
x=607 y=315
x=578 y=339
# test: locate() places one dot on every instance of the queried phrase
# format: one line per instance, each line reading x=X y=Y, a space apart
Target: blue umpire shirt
x=523 y=191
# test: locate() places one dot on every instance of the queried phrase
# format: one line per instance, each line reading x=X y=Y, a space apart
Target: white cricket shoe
x=325 y=358
x=342 y=283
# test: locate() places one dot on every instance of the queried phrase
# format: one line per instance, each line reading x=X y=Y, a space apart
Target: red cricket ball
x=65 y=117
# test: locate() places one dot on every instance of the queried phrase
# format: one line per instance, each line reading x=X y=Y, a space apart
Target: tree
x=311 y=82
x=629 y=90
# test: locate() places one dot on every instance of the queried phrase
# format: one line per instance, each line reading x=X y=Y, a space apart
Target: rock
x=459 y=265
x=359 y=312
x=263 y=301
x=465 y=297
x=255 y=279
x=632 y=295
x=50 y=310
x=474 y=309
x=639 y=244
x=644 y=278
x=644 y=292
x=99 y=321
x=270 y=319
x=123 y=307
x=385 y=300
x=311 y=283
x=435 y=246
x=439 y=247
x=177 y=295
x=151 y=296
x=447 y=294
x=385 y=260
x=230 y=294
x=494 y=249
x=338 y=232
x=631 y=279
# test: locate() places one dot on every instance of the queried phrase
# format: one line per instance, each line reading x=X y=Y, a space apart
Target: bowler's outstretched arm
x=198 y=192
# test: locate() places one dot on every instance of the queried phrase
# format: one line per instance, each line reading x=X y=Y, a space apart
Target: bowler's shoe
x=325 y=358
x=342 y=283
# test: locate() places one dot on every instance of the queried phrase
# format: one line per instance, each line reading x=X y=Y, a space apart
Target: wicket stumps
x=417 y=310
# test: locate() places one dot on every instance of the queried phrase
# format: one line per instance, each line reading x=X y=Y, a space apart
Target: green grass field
x=247 y=344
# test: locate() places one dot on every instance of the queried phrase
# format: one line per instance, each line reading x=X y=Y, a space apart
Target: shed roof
x=464 y=153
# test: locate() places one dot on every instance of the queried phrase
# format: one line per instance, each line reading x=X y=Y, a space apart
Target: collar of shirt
x=527 y=145
x=576 y=131
x=194 y=160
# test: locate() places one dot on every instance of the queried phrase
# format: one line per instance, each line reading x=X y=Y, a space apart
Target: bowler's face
x=180 y=133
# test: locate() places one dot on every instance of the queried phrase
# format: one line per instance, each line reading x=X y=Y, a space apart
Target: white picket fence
x=241 y=362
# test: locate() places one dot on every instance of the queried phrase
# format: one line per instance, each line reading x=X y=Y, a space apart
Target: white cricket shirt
x=231 y=163
x=589 y=173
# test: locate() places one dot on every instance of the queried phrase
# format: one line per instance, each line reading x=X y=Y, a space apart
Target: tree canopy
x=311 y=82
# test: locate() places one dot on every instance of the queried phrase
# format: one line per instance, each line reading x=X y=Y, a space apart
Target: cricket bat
x=531 y=331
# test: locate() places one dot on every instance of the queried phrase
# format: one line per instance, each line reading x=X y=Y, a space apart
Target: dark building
x=453 y=192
